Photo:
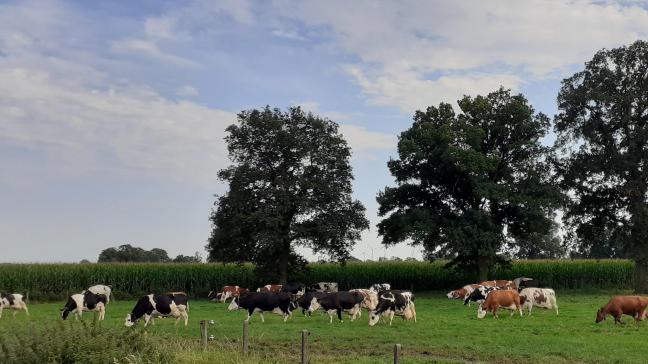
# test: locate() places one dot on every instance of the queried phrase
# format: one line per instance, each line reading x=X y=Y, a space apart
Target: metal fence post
x=203 y=333
x=245 y=336
x=304 y=347
x=397 y=349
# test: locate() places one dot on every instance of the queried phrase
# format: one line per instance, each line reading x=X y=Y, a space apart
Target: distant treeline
x=57 y=281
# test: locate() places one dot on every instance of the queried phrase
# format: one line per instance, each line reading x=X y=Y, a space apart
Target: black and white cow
x=101 y=289
x=295 y=289
x=336 y=302
x=379 y=287
x=305 y=301
x=323 y=287
x=12 y=301
x=163 y=305
x=280 y=303
x=390 y=303
x=529 y=283
x=87 y=301
x=479 y=294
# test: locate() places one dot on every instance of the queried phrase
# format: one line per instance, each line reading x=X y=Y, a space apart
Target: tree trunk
x=641 y=276
x=482 y=268
x=284 y=261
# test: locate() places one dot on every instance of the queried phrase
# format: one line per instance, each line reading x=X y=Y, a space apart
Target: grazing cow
x=101 y=289
x=538 y=297
x=336 y=302
x=479 y=294
x=12 y=301
x=323 y=287
x=274 y=288
x=500 y=283
x=634 y=306
x=305 y=301
x=296 y=289
x=379 y=287
x=518 y=281
x=502 y=298
x=370 y=298
x=390 y=303
x=163 y=305
x=279 y=303
x=463 y=292
x=227 y=292
x=88 y=301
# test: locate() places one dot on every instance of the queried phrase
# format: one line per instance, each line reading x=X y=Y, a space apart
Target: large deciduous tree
x=469 y=182
x=602 y=129
x=289 y=186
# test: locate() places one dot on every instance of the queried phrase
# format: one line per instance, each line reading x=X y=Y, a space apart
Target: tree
x=467 y=183
x=289 y=186
x=196 y=258
x=602 y=129
x=540 y=245
x=129 y=253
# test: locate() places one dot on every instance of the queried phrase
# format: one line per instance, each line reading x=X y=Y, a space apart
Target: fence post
x=203 y=333
x=304 y=347
x=397 y=349
x=245 y=336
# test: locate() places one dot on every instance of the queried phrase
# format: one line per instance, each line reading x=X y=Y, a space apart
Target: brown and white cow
x=507 y=299
x=274 y=288
x=634 y=306
x=227 y=292
x=463 y=292
x=500 y=283
x=538 y=297
x=370 y=299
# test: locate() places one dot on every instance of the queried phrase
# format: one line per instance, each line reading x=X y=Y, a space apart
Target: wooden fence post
x=245 y=336
x=397 y=349
x=203 y=333
x=304 y=347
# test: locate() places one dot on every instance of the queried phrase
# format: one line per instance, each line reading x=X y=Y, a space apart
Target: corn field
x=57 y=281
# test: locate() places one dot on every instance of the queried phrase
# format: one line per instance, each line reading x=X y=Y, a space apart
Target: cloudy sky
x=112 y=114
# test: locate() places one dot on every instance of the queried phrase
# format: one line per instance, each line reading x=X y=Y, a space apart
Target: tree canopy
x=129 y=253
x=467 y=183
x=289 y=187
x=602 y=129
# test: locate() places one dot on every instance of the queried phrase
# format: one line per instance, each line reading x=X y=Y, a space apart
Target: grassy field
x=446 y=331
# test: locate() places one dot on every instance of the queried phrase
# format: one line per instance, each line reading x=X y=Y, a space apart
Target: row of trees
x=131 y=254
x=470 y=183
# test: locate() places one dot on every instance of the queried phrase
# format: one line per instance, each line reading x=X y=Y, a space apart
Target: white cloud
x=187 y=91
x=151 y=49
x=288 y=34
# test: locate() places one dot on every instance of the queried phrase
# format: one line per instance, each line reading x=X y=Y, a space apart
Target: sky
x=113 y=114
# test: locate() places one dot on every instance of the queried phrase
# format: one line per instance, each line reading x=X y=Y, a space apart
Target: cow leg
x=14 y=313
x=186 y=317
x=147 y=318
x=495 y=312
x=339 y=314
x=391 y=317
x=261 y=314
x=24 y=307
x=1 y=308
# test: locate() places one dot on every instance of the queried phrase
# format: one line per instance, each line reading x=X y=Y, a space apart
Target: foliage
x=58 y=281
x=128 y=253
x=603 y=132
x=83 y=342
x=289 y=186
x=468 y=182
x=196 y=258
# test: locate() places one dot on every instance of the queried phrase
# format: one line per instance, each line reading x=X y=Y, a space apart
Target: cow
x=163 y=305
x=479 y=294
x=518 y=281
x=101 y=289
x=538 y=297
x=88 y=301
x=227 y=292
x=634 y=306
x=529 y=284
x=500 y=283
x=280 y=303
x=379 y=287
x=463 y=292
x=336 y=302
x=390 y=303
x=295 y=289
x=274 y=288
x=323 y=287
x=12 y=301
x=370 y=298
x=305 y=300
x=502 y=298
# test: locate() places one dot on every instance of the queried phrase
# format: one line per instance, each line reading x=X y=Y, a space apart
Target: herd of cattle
x=379 y=300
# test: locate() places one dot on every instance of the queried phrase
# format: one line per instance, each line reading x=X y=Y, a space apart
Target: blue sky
x=112 y=114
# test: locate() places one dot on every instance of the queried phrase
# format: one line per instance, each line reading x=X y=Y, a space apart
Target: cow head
x=374 y=317
x=64 y=313
x=522 y=299
x=600 y=316
x=481 y=313
x=233 y=305
x=129 y=321
x=313 y=306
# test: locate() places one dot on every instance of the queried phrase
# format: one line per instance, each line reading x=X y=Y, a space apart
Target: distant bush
x=57 y=281
x=75 y=342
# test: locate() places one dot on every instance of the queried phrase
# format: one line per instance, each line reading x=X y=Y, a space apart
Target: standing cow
x=390 y=303
x=634 y=306
x=279 y=303
x=370 y=298
x=227 y=292
x=463 y=292
x=163 y=305
x=12 y=301
x=538 y=297
x=336 y=302
x=274 y=288
x=479 y=294
x=507 y=299
x=305 y=301
x=88 y=301
x=101 y=289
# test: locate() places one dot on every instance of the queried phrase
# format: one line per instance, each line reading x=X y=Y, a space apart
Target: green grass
x=446 y=332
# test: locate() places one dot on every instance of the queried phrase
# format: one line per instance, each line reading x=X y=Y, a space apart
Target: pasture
x=446 y=332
